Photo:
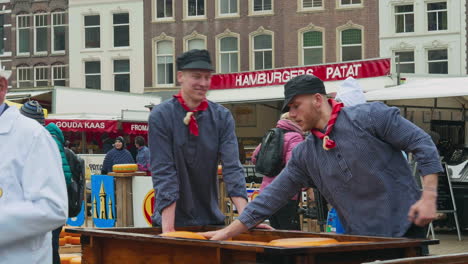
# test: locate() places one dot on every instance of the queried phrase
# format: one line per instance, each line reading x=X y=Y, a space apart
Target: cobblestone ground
x=449 y=243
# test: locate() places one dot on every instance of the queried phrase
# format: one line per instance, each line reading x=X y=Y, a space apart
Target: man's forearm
x=429 y=186
x=240 y=203
x=168 y=218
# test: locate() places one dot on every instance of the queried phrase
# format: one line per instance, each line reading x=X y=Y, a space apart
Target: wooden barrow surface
x=143 y=245
x=441 y=259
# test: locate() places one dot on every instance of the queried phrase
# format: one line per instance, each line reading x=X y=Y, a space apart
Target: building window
x=93 y=74
x=40 y=33
x=350 y=2
x=351 y=44
x=195 y=44
x=312 y=44
x=165 y=62
x=24 y=77
x=263 y=52
x=404 y=18
x=59 y=75
x=306 y=4
x=23 y=23
x=405 y=61
x=196 y=8
x=92 y=31
x=262 y=5
x=437 y=16
x=2 y=34
x=437 y=61
x=163 y=9
x=229 y=55
x=227 y=7
x=122 y=75
x=41 y=76
x=58 y=32
x=121 y=30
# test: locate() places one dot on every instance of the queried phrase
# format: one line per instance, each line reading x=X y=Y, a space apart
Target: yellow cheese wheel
x=74 y=240
x=124 y=168
x=183 y=234
x=67 y=239
x=76 y=260
x=65 y=259
x=62 y=241
x=248 y=242
x=302 y=242
x=353 y=242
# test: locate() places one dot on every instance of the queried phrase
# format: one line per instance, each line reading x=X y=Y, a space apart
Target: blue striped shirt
x=365 y=177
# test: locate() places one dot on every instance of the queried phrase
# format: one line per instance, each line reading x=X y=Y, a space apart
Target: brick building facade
x=300 y=32
x=39 y=43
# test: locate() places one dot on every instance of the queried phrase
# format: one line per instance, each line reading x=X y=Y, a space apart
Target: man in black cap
x=188 y=135
x=353 y=156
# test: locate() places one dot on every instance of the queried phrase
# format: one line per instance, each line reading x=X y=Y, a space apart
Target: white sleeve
x=44 y=206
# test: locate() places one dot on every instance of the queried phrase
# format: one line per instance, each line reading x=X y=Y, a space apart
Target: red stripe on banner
x=328 y=72
x=132 y=128
x=78 y=125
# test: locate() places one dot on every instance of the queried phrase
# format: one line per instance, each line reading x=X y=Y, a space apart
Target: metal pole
x=397 y=59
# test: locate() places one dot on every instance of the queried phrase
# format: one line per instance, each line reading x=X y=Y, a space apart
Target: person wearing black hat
x=118 y=155
x=353 y=156
x=187 y=136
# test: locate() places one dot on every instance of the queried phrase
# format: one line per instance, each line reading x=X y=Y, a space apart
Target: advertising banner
x=93 y=164
x=132 y=128
x=78 y=125
x=103 y=200
x=143 y=200
x=326 y=72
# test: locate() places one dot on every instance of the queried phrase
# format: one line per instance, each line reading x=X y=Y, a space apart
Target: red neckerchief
x=192 y=124
x=327 y=142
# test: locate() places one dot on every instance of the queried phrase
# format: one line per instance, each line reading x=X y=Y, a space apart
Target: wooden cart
x=459 y=258
x=143 y=245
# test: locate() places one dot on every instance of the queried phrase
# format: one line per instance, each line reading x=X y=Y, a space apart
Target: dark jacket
x=116 y=156
x=57 y=134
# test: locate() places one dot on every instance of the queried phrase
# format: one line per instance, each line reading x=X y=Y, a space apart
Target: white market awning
x=20 y=95
x=423 y=88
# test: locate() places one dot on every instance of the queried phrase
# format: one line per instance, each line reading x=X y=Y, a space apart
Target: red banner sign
x=328 y=72
x=132 y=128
x=78 y=125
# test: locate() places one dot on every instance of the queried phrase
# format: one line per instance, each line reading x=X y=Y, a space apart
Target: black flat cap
x=194 y=59
x=302 y=84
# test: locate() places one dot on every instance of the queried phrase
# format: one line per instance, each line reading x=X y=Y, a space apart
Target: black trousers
x=286 y=218
x=55 y=245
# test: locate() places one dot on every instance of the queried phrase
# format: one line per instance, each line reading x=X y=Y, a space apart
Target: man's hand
x=264 y=226
x=234 y=229
x=425 y=210
x=167 y=218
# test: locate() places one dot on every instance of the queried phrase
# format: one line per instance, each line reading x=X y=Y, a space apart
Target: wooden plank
x=441 y=259
x=70 y=249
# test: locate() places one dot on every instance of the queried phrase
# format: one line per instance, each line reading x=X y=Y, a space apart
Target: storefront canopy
x=423 y=88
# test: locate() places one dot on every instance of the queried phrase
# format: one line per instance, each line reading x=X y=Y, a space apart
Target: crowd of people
x=352 y=154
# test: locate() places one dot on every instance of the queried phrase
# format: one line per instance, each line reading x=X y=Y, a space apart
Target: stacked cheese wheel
x=69 y=238
x=124 y=168
x=66 y=258
x=183 y=234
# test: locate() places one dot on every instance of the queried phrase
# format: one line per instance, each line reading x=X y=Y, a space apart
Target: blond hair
x=285 y=116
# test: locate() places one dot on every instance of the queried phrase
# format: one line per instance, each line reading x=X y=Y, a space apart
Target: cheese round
x=124 y=168
x=183 y=234
x=74 y=240
x=302 y=242
x=76 y=260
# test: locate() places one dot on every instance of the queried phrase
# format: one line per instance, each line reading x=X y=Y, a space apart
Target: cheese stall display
x=148 y=245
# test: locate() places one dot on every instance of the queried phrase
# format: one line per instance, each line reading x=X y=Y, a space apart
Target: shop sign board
x=143 y=200
x=78 y=125
x=132 y=128
x=326 y=72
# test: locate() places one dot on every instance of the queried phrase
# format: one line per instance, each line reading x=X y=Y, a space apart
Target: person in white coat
x=33 y=194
